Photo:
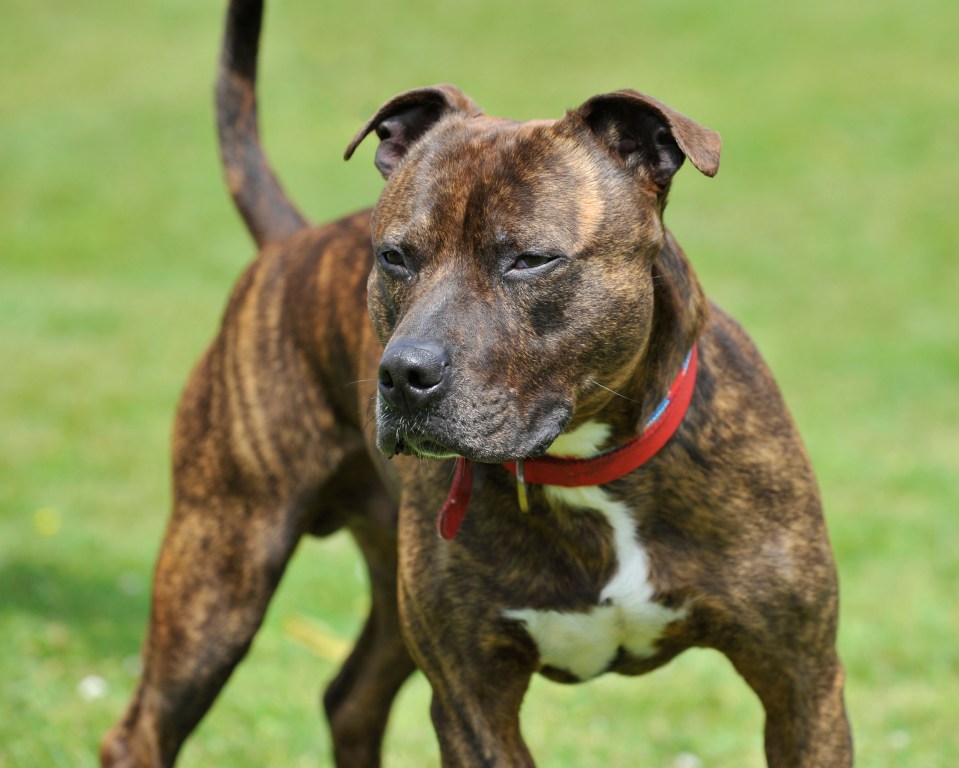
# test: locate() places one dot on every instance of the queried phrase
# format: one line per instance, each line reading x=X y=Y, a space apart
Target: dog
x=578 y=464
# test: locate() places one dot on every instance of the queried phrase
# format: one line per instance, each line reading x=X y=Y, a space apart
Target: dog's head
x=514 y=282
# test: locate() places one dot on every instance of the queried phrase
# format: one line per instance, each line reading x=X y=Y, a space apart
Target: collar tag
x=521 y=492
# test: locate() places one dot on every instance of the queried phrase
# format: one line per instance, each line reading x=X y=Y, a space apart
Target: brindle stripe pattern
x=718 y=541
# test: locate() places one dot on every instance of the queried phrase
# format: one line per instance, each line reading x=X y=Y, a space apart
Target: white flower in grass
x=899 y=740
x=92 y=687
x=687 y=760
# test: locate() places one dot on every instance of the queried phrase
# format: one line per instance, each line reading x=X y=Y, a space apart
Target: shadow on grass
x=105 y=611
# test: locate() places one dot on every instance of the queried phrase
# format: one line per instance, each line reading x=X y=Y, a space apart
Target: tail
x=264 y=206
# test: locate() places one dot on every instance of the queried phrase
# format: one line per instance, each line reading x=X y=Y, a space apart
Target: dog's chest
x=625 y=618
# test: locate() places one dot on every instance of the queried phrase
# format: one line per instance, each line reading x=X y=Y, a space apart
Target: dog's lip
x=424 y=447
x=430 y=449
x=398 y=438
x=427 y=447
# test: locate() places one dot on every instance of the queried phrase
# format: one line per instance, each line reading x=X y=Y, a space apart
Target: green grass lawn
x=831 y=232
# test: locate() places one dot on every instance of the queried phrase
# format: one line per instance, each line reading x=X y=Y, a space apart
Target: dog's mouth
x=488 y=446
x=423 y=447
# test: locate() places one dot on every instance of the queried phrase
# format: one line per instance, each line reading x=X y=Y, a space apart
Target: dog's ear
x=405 y=118
x=643 y=132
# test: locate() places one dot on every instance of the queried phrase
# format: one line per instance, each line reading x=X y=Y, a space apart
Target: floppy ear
x=405 y=118
x=644 y=132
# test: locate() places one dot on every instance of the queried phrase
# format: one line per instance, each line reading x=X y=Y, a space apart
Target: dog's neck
x=680 y=312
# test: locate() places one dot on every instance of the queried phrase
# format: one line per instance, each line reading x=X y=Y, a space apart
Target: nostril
x=425 y=376
x=385 y=378
x=414 y=379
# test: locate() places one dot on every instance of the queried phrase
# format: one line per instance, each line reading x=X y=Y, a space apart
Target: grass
x=830 y=232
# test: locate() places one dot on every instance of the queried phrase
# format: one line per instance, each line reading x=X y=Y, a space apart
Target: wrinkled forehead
x=484 y=182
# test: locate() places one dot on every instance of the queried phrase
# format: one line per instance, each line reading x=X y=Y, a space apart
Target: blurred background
x=831 y=232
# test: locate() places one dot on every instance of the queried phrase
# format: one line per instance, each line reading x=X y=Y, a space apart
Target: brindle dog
x=530 y=300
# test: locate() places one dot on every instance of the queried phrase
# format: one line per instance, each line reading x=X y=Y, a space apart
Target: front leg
x=806 y=723
x=452 y=595
x=782 y=640
x=479 y=668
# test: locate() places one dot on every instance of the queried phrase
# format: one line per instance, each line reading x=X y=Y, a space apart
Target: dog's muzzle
x=413 y=375
x=427 y=407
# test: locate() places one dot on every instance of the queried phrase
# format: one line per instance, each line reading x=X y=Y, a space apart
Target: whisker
x=613 y=391
x=368 y=419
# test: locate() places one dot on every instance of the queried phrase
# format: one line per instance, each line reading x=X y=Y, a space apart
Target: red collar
x=599 y=470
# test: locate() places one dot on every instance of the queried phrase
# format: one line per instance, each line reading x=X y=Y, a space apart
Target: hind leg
x=220 y=563
x=358 y=700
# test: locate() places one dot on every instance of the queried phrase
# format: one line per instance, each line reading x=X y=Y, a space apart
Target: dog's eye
x=532 y=260
x=392 y=257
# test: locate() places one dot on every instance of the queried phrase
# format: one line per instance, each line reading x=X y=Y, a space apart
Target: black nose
x=413 y=373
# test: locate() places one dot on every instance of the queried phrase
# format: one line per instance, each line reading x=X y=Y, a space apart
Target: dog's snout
x=413 y=373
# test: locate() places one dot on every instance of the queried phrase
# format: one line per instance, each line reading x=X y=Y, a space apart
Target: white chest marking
x=585 y=643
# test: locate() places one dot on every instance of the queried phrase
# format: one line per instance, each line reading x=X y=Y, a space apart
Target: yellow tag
x=521 y=487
